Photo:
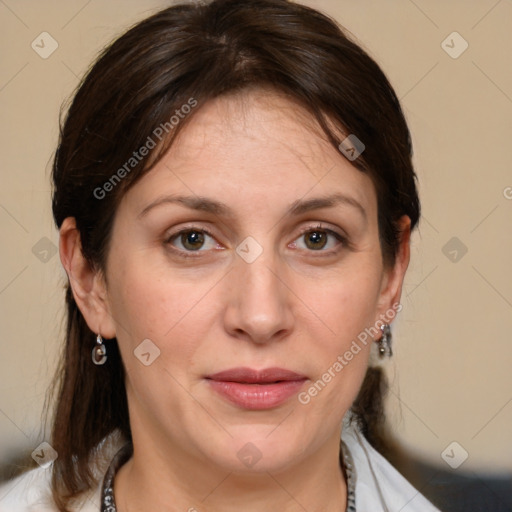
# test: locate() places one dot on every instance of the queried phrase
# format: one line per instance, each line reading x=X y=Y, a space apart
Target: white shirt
x=379 y=486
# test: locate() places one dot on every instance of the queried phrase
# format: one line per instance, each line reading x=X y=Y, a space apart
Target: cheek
x=172 y=315
x=346 y=305
x=347 y=302
x=169 y=311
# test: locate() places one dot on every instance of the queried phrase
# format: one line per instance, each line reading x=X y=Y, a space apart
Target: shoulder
x=379 y=486
x=31 y=492
x=28 y=492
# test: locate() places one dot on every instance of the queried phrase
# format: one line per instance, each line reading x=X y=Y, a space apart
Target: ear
x=393 y=277
x=88 y=284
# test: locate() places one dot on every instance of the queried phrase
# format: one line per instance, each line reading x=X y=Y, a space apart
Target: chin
x=253 y=450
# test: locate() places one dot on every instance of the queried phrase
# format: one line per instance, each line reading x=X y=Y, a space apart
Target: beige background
x=451 y=374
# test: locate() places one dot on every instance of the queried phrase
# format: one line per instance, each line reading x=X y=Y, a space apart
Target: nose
x=259 y=306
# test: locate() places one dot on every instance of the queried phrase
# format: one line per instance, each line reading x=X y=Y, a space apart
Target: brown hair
x=200 y=52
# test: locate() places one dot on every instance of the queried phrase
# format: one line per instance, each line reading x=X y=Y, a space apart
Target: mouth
x=256 y=389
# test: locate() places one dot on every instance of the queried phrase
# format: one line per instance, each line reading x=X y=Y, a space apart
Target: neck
x=167 y=478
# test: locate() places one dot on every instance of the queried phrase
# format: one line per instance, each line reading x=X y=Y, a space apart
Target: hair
x=194 y=53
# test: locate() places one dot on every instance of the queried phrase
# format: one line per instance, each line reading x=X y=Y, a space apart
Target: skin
x=297 y=306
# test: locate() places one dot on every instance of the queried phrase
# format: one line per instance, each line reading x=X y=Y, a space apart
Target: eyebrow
x=298 y=207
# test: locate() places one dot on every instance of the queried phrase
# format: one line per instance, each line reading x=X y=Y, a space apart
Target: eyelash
x=341 y=238
x=309 y=229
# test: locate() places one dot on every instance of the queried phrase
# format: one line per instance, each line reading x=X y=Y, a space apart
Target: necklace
x=108 y=503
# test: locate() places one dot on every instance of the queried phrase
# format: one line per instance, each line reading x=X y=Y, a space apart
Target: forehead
x=253 y=146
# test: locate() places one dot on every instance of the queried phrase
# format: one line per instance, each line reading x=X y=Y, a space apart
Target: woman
x=235 y=195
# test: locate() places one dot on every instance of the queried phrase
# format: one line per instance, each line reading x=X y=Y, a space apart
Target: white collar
x=379 y=486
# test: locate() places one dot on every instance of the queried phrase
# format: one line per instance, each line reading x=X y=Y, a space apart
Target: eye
x=318 y=239
x=192 y=240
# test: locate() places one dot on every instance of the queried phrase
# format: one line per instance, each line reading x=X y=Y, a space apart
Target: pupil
x=192 y=240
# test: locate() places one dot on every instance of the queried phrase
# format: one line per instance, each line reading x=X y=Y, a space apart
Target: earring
x=99 y=352
x=385 y=342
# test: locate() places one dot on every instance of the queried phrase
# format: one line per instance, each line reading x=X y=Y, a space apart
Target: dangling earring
x=385 y=342
x=99 y=352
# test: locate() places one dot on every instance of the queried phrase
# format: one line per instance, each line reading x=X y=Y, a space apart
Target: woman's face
x=251 y=248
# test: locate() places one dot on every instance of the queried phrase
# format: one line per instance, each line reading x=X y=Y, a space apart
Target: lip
x=256 y=389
